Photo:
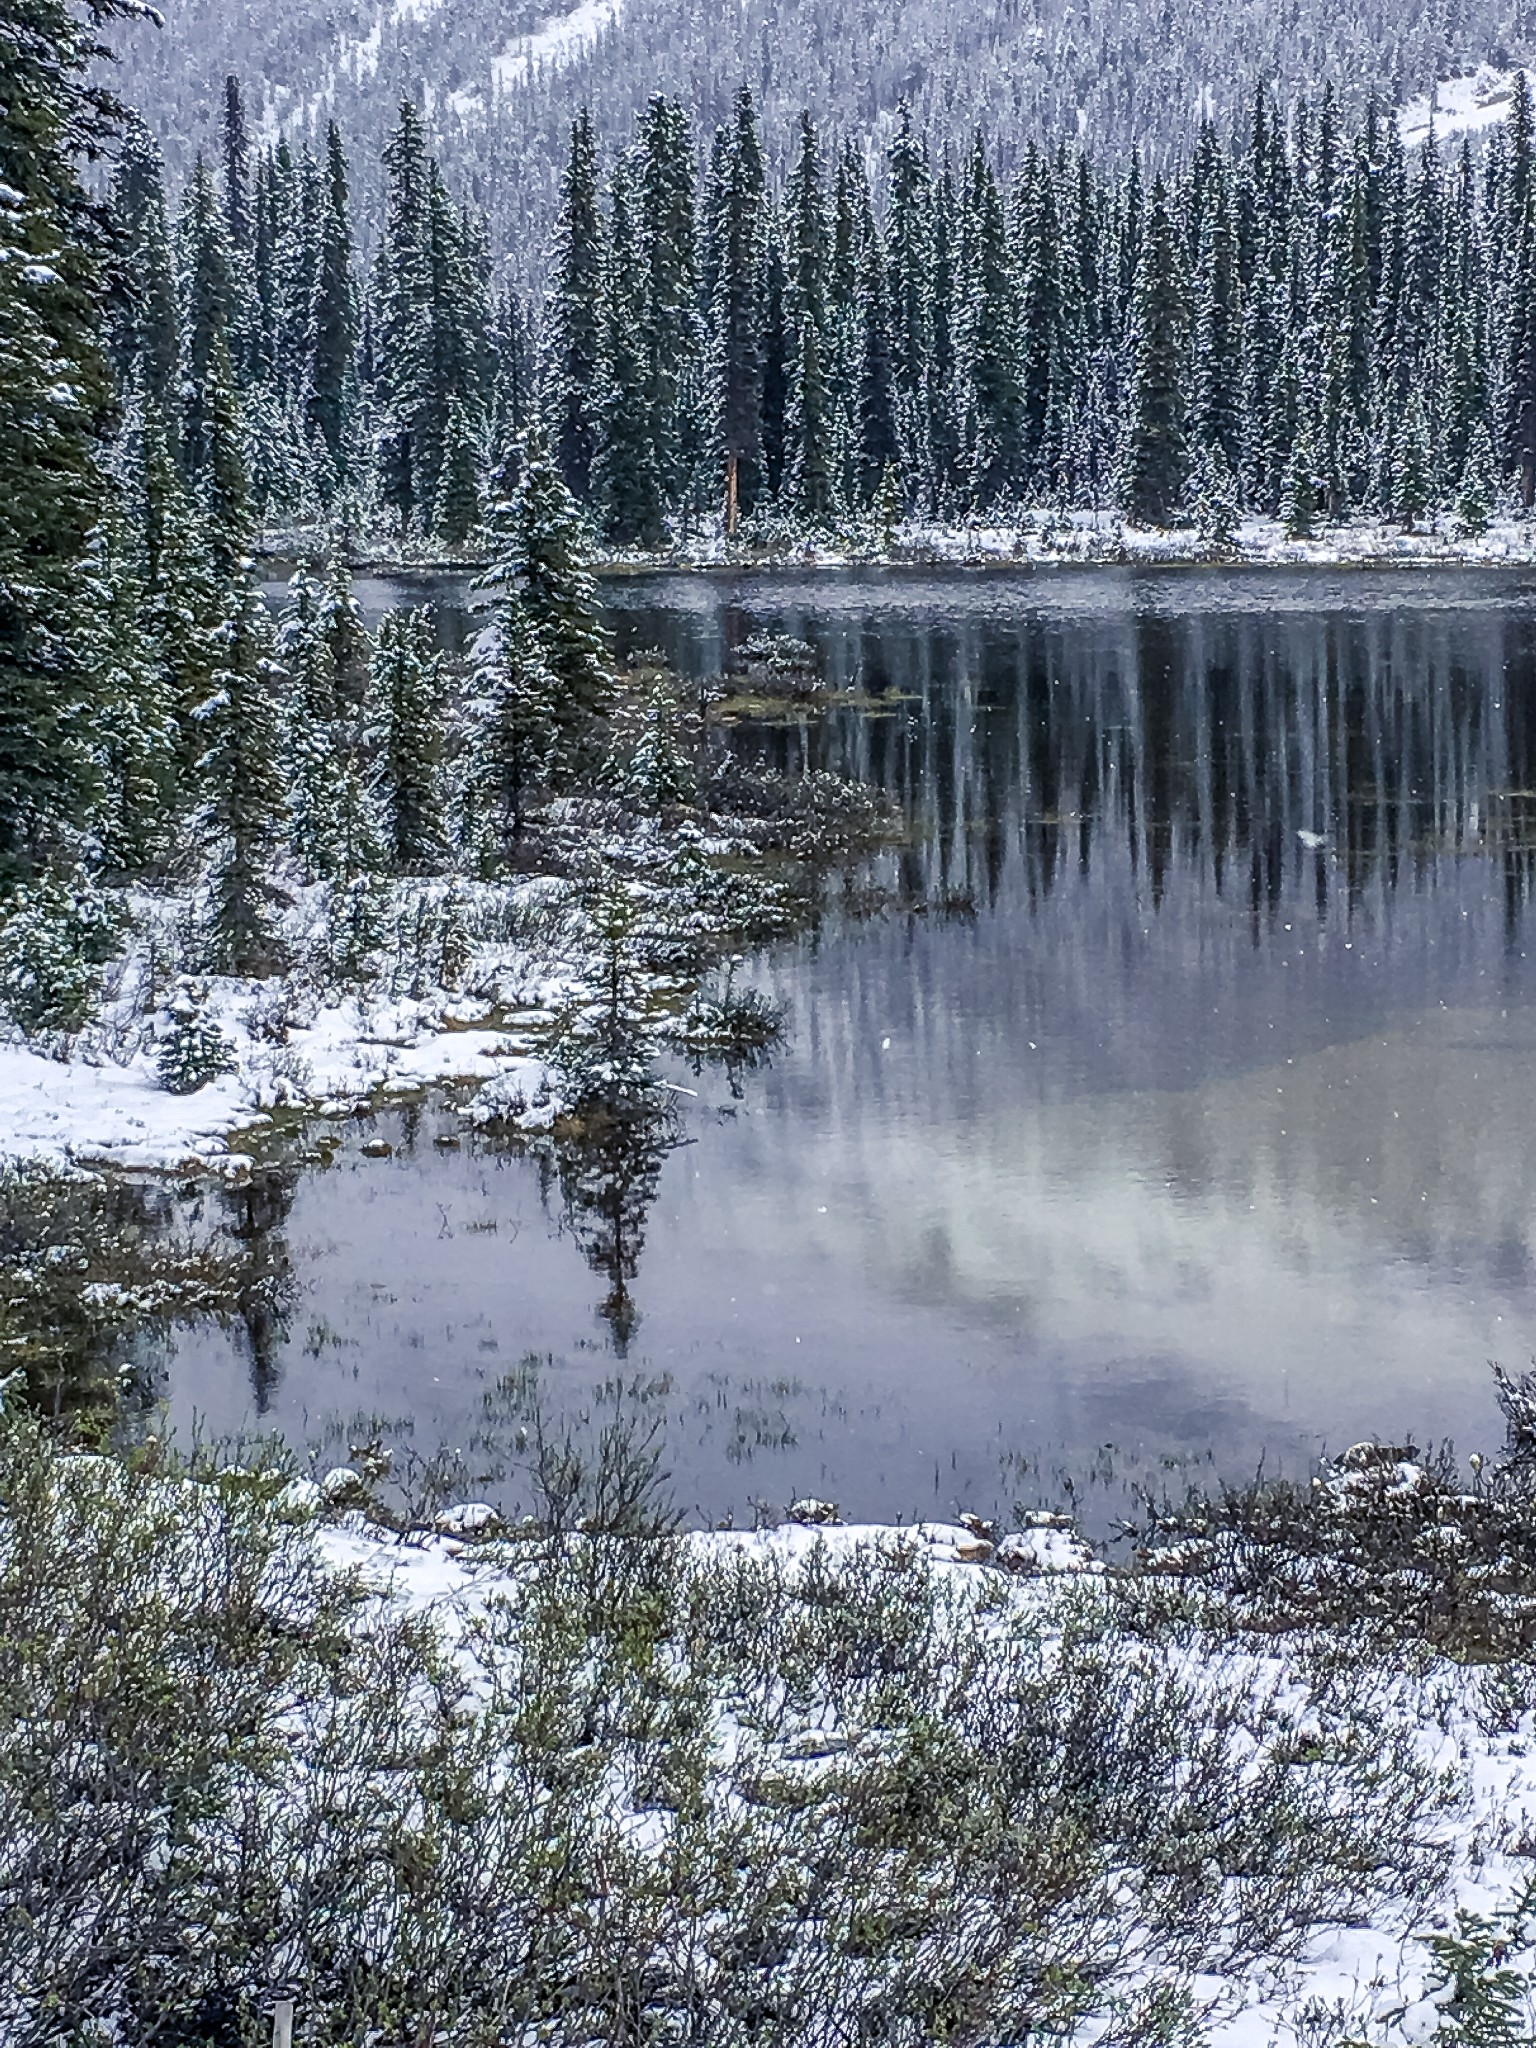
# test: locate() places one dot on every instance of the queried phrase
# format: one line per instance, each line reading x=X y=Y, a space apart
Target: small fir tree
x=1216 y=508
x=405 y=726
x=1474 y=498
x=458 y=491
x=1300 y=507
x=1411 y=468
x=541 y=550
x=243 y=780
x=513 y=729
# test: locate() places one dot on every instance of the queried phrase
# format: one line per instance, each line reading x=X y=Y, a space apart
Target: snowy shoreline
x=1040 y=540
x=294 y=1053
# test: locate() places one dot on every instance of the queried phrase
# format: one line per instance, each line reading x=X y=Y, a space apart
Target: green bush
x=55 y=937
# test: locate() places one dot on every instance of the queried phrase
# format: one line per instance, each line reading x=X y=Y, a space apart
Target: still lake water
x=1180 y=1100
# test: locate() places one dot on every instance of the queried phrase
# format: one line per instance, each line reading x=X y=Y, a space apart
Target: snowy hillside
x=498 y=79
x=1470 y=105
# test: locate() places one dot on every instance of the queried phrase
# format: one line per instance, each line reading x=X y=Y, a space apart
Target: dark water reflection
x=1180 y=1098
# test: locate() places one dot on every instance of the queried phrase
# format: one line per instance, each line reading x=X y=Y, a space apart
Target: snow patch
x=1459 y=106
x=554 y=46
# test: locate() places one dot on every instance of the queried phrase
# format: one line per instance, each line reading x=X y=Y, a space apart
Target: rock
x=378 y=1148
x=977 y=1526
x=468 y=1518
x=301 y=1497
x=951 y=1543
x=816 y=1514
x=341 y=1487
x=1036 y=1550
x=1374 y=1457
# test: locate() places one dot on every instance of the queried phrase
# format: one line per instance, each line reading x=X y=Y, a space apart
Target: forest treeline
x=1301 y=323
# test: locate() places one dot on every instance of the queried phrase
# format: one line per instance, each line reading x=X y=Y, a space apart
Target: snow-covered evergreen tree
x=406 y=736
x=244 y=795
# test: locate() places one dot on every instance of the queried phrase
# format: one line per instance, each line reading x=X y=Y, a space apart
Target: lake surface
x=1179 y=1099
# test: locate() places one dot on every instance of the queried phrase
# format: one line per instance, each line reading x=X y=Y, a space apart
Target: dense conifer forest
x=498 y=78
x=1300 y=322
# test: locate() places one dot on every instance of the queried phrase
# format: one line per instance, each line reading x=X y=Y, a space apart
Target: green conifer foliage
x=459 y=509
x=135 y=731
x=1411 y=467
x=146 y=342
x=988 y=343
x=910 y=286
x=331 y=339
x=738 y=313
x=244 y=796
x=625 y=480
x=406 y=735
x=1156 y=453
x=55 y=402
x=1301 y=492
x=878 y=443
x=404 y=393
x=671 y=335
x=514 y=726
x=309 y=729
x=575 y=315
x=1475 y=497
x=541 y=551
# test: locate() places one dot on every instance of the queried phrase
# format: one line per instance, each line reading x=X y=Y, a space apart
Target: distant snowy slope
x=1469 y=105
x=499 y=79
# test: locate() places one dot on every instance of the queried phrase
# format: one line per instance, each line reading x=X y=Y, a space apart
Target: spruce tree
x=671 y=336
x=1156 y=460
x=988 y=342
x=243 y=786
x=624 y=472
x=135 y=732
x=146 y=340
x=810 y=480
x=331 y=340
x=809 y=450
x=310 y=708
x=540 y=552
x=1474 y=497
x=406 y=733
x=738 y=314
x=55 y=400
x=514 y=725
x=405 y=393
x=1300 y=508
x=574 y=316
x=342 y=618
x=778 y=353
x=459 y=510
x=1043 y=340
x=910 y=288
x=878 y=444
x=1411 y=473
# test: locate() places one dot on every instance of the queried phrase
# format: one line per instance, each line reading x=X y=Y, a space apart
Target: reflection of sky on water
x=1136 y=1119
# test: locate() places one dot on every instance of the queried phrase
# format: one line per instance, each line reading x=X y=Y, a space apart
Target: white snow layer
x=1377 y=1978
x=106 y=1105
x=1459 y=106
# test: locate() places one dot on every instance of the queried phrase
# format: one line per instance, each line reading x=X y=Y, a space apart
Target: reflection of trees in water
x=1199 y=746
x=608 y=1179
x=262 y=1285
x=97 y=1272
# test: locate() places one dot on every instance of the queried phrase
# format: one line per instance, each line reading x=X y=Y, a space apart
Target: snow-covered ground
x=1470 y=105
x=1087 y=539
x=103 y=1103
x=1371 y=1982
